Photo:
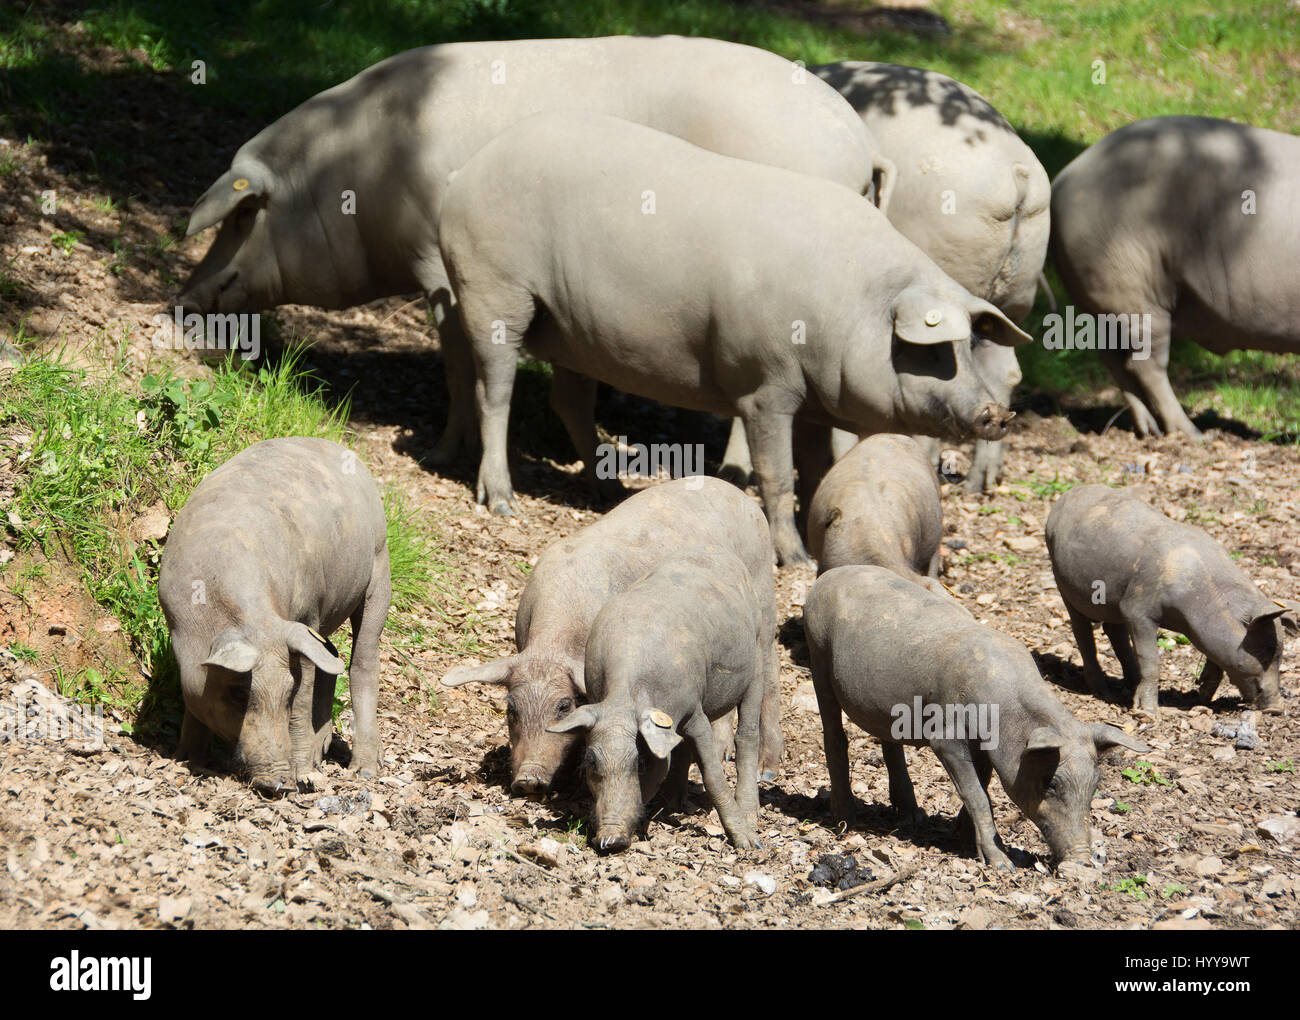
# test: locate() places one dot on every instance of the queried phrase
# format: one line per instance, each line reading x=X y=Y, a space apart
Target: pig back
x=296 y=523
x=878 y=504
x=576 y=576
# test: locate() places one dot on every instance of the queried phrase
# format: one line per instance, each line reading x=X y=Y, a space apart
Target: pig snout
x=612 y=839
x=532 y=779
x=991 y=421
x=274 y=782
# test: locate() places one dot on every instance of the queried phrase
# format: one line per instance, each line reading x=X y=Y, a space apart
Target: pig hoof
x=998 y=860
x=769 y=775
x=502 y=508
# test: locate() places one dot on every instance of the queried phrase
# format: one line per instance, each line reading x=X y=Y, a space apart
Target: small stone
x=1208 y=866
x=766 y=884
x=1280 y=828
x=1223 y=754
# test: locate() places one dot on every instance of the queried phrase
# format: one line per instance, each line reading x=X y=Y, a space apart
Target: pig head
x=542 y=690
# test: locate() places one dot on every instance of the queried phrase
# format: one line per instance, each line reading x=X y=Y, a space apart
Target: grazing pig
x=969 y=193
x=910 y=667
x=337 y=202
x=1125 y=565
x=880 y=505
x=641 y=260
x=576 y=576
x=696 y=652
x=270 y=554
x=1190 y=221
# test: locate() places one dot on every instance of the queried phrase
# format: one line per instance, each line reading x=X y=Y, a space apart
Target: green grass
x=102 y=451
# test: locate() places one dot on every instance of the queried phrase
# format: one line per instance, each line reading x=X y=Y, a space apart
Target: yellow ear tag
x=313 y=633
x=661 y=719
x=240 y=184
x=1279 y=602
x=933 y=317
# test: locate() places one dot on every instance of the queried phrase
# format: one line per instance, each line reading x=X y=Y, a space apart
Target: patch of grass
x=1169 y=640
x=1120 y=808
x=22 y=652
x=1143 y=773
x=1133 y=886
x=67 y=240
x=1172 y=889
x=1044 y=489
x=1286 y=765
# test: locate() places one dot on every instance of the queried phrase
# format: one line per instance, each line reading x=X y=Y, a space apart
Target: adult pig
x=270 y=554
x=337 y=202
x=911 y=668
x=879 y=504
x=680 y=275
x=1194 y=222
x=968 y=192
x=572 y=581
x=1125 y=565
x=697 y=651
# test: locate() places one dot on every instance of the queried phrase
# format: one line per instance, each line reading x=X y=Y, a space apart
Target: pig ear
x=1044 y=738
x=1290 y=617
x=582 y=718
x=883 y=175
x=578 y=674
x=658 y=732
x=220 y=200
x=922 y=317
x=231 y=650
x=988 y=321
x=496 y=672
x=1105 y=737
x=324 y=656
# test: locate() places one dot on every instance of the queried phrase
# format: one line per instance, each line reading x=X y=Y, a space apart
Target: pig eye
x=589 y=761
x=563 y=708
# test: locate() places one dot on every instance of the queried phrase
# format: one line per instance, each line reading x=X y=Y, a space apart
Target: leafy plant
x=67 y=240
x=1144 y=774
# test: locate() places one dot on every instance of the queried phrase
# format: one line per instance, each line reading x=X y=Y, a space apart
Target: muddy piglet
x=1127 y=566
x=682 y=647
x=879 y=504
x=272 y=552
x=911 y=668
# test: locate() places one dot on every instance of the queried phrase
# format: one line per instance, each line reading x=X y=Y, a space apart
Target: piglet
x=680 y=648
x=574 y=578
x=911 y=667
x=270 y=554
x=879 y=504
x=1127 y=566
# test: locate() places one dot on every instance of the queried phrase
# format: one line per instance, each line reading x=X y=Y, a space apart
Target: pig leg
x=195 y=740
x=302 y=734
x=461 y=430
x=748 y=719
x=1083 y=637
x=736 y=465
x=770 y=442
x=812 y=457
x=1211 y=677
x=363 y=670
x=573 y=399
x=1122 y=645
x=496 y=320
x=1147 y=696
x=956 y=758
x=986 y=466
x=964 y=829
x=771 y=740
x=836 y=746
x=724 y=736
x=1152 y=373
x=901 y=794
x=730 y=814
x=1144 y=422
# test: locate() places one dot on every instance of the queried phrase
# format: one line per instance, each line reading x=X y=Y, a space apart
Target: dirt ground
x=124 y=836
